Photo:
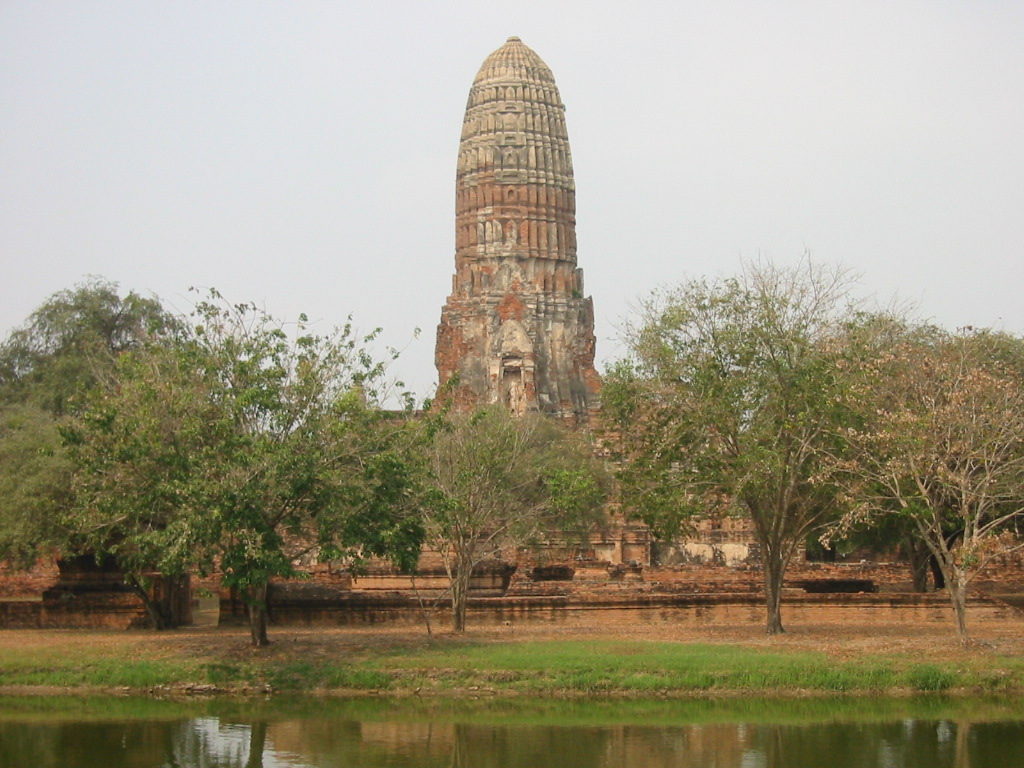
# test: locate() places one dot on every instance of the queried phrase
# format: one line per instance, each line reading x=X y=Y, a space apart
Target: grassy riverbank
x=488 y=664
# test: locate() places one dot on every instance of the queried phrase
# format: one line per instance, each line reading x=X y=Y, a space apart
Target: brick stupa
x=516 y=328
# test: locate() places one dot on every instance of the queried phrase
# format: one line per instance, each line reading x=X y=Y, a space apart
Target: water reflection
x=330 y=738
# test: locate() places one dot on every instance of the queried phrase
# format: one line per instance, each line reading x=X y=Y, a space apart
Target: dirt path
x=844 y=635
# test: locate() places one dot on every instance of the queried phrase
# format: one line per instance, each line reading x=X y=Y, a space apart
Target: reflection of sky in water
x=888 y=756
x=944 y=731
x=206 y=742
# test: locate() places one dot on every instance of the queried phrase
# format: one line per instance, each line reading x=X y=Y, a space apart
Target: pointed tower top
x=514 y=61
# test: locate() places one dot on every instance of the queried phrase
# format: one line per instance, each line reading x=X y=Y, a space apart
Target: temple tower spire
x=516 y=328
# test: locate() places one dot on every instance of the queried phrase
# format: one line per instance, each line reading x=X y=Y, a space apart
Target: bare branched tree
x=942 y=447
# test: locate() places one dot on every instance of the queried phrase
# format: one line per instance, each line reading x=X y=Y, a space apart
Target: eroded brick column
x=516 y=328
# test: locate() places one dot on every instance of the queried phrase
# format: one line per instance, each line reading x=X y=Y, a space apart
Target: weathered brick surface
x=20 y=614
x=93 y=610
x=28 y=583
x=80 y=593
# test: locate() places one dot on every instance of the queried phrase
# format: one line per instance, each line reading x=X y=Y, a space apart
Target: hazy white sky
x=302 y=154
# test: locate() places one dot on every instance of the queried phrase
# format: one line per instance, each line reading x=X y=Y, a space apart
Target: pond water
x=293 y=733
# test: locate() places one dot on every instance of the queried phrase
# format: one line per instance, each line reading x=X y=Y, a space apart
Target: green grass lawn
x=108 y=668
x=654 y=668
x=445 y=666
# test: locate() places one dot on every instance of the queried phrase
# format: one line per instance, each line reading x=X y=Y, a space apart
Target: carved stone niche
x=513 y=387
x=513 y=368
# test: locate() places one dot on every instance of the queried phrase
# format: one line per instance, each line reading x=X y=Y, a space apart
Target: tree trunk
x=940 y=570
x=937 y=574
x=423 y=608
x=956 y=583
x=257 y=602
x=157 y=618
x=257 y=744
x=774 y=571
x=460 y=591
x=918 y=557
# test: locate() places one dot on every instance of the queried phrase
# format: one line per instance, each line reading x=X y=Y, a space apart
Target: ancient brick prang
x=516 y=328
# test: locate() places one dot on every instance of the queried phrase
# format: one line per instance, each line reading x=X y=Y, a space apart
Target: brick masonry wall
x=28 y=583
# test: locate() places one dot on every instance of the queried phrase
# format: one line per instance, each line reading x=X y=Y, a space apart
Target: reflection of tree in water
x=991 y=744
x=212 y=743
x=206 y=742
x=461 y=755
x=332 y=744
x=70 y=744
x=895 y=744
x=340 y=743
x=257 y=743
x=325 y=742
x=963 y=752
x=903 y=744
x=683 y=746
x=480 y=746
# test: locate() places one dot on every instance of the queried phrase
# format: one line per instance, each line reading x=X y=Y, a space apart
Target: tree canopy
x=941 y=447
x=496 y=481
x=72 y=339
x=730 y=401
x=48 y=366
x=230 y=441
x=244 y=446
x=35 y=482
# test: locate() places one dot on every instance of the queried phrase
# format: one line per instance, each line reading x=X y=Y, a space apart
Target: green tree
x=245 y=446
x=63 y=351
x=72 y=340
x=942 y=448
x=136 y=447
x=730 y=401
x=34 y=483
x=495 y=482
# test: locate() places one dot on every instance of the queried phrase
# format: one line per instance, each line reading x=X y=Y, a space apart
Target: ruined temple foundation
x=872 y=592
x=869 y=592
x=78 y=592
